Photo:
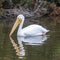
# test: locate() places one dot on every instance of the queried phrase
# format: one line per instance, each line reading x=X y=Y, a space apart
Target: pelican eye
x=19 y=20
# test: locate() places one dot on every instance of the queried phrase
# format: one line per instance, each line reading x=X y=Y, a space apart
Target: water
x=31 y=48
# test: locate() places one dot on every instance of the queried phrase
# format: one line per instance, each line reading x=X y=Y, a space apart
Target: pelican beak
x=17 y=22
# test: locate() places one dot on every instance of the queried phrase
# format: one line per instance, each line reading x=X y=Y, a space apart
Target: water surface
x=43 y=48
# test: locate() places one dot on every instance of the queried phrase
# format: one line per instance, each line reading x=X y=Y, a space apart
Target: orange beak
x=17 y=22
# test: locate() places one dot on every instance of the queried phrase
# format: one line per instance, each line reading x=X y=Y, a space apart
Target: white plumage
x=31 y=30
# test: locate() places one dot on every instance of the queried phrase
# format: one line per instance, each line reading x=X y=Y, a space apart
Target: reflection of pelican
x=31 y=30
x=19 y=49
x=35 y=40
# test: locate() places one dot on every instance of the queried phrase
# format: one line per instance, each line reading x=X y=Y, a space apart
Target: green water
x=49 y=50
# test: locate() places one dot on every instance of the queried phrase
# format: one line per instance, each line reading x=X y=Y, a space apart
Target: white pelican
x=31 y=30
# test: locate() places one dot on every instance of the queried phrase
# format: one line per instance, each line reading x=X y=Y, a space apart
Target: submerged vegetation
x=29 y=7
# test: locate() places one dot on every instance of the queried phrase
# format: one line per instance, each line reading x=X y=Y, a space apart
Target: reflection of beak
x=16 y=47
x=18 y=21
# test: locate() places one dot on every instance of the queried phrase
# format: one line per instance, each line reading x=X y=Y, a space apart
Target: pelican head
x=21 y=17
x=19 y=20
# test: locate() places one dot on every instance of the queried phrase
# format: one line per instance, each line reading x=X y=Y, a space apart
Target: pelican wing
x=33 y=30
